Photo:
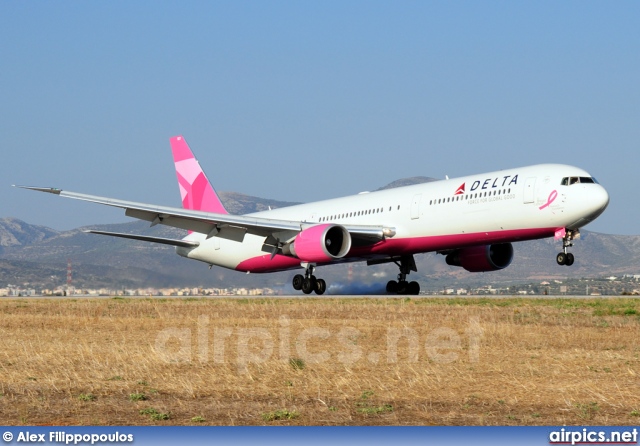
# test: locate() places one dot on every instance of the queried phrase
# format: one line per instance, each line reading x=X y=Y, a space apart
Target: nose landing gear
x=564 y=257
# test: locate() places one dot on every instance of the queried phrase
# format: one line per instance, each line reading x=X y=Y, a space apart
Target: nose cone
x=598 y=201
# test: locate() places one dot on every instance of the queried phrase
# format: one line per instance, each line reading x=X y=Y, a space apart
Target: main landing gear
x=564 y=257
x=309 y=283
x=406 y=265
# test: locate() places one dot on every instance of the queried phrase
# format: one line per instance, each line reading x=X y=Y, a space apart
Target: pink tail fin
x=196 y=191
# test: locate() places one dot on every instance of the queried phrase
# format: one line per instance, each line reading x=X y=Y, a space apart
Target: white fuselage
x=497 y=207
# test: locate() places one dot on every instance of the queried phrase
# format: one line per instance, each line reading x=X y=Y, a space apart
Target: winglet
x=51 y=190
x=196 y=191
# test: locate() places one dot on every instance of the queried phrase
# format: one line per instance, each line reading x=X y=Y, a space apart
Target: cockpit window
x=568 y=181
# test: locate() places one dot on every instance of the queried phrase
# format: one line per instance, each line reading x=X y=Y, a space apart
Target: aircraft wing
x=232 y=227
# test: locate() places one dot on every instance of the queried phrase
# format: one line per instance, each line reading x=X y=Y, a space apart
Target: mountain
x=14 y=232
x=39 y=255
x=240 y=204
x=407 y=182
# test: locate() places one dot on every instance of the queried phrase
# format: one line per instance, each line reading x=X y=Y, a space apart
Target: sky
x=307 y=100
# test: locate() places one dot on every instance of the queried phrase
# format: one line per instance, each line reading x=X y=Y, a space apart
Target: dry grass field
x=323 y=361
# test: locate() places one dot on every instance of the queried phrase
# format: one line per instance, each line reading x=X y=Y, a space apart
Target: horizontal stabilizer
x=145 y=238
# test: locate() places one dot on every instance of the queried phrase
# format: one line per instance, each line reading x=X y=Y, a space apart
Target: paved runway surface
x=326 y=296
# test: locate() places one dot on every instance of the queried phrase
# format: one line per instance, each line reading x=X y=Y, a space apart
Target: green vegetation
x=137 y=397
x=283 y=414
x=365 y=407
x=374 y=410
x=366 y=394
x=154 y=414
x=297 y=363
x=587 y=411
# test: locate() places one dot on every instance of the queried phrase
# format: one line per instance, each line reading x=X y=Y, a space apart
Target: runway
x=323 y=297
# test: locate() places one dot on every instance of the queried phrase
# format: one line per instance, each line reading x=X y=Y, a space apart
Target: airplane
x=472 y=221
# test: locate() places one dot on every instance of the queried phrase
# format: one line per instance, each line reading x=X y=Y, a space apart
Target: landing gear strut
x=406 y=265
x=564 y=257
x=309 y=283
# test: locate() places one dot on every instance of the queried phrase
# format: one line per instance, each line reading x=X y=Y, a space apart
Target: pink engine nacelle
x=482 y=258
x=320 y=243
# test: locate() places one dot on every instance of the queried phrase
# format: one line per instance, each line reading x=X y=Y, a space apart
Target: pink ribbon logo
x=552 y=197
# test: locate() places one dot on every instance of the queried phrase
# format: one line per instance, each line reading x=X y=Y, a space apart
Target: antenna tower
x=69 y=275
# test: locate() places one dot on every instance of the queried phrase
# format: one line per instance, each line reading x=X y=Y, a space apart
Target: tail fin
x=196 y=191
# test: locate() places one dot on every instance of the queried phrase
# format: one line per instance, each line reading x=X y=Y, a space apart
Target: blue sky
x=302 y=100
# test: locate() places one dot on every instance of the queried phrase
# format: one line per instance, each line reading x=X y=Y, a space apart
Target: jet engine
x=482 y=258
x=320 y=243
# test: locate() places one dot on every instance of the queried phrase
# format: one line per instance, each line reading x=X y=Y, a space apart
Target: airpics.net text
x=246 y=345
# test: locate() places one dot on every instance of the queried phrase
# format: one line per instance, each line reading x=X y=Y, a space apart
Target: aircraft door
x=415 y=206
x=529 y=190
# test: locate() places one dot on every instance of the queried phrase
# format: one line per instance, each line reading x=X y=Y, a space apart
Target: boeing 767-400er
x=471 y=220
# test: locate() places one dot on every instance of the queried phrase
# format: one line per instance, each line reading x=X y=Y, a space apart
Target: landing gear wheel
x=297 y=282
x=401 y=286
x=321 y=286
x=309 y=284
x=565 y=257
